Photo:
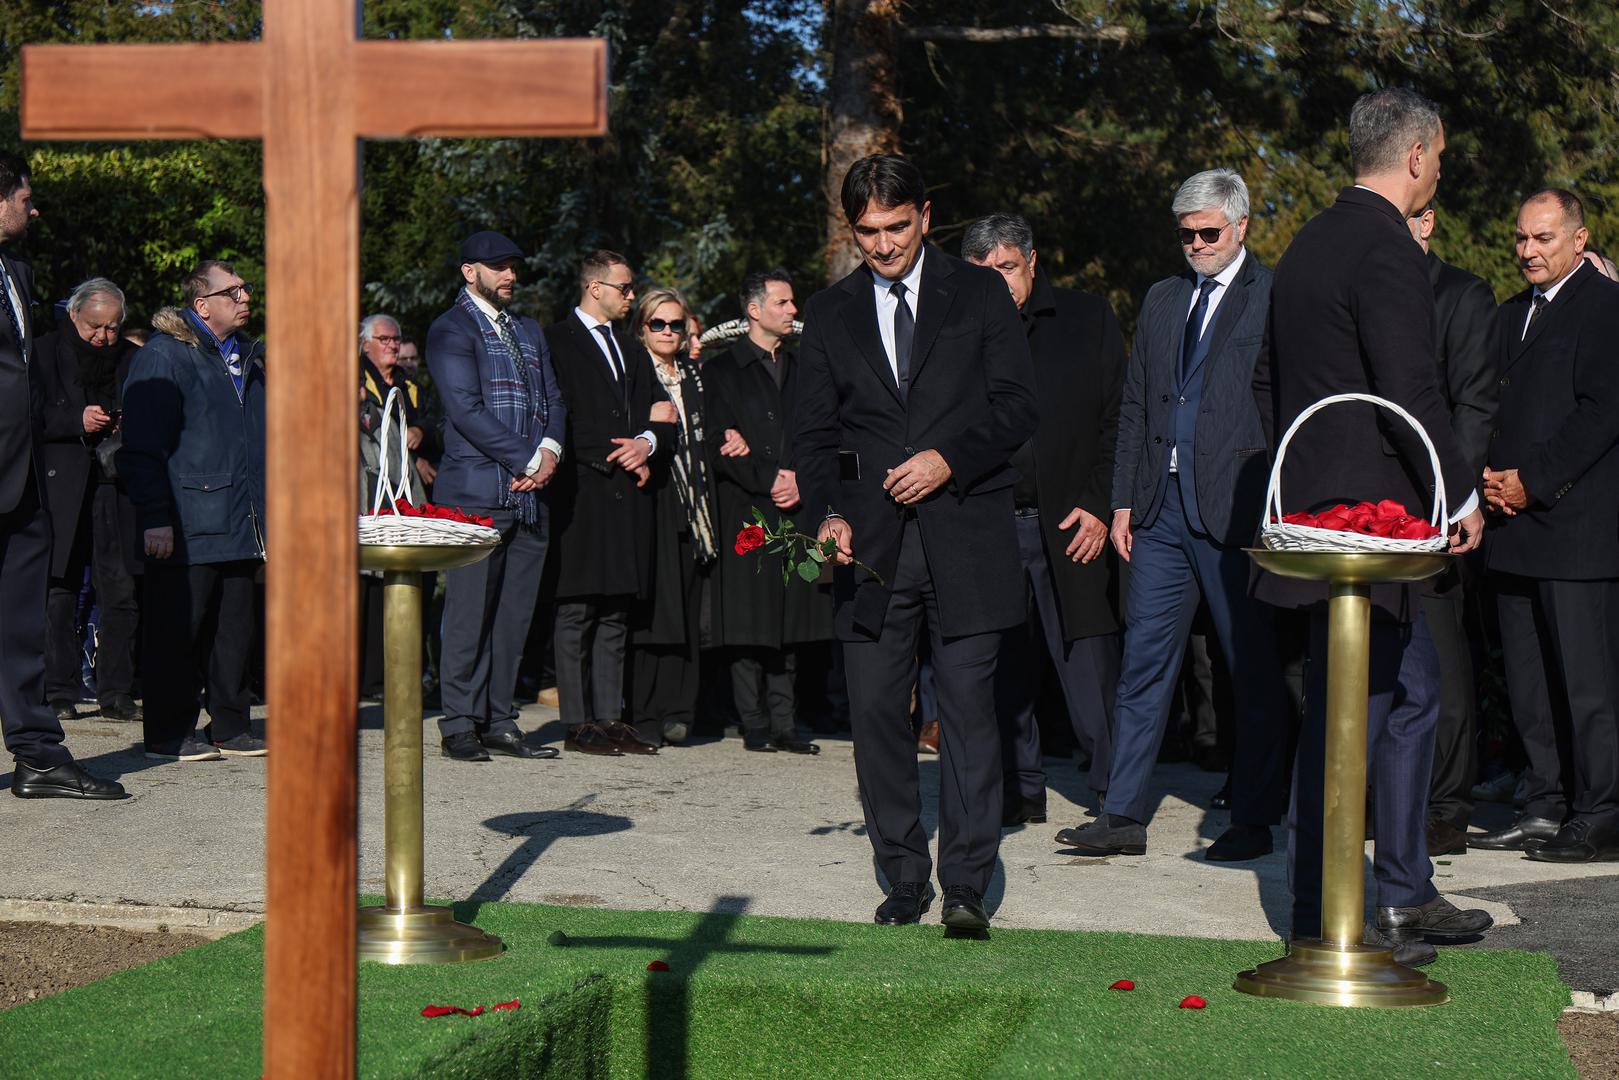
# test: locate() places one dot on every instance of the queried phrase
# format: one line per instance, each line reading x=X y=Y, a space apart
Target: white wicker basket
x=396 y=528
x=1278 y=535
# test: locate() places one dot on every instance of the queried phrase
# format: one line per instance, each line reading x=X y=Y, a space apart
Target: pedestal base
x=1363 y=976
x=422 y=935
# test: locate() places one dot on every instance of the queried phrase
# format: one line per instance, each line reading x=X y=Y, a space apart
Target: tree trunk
x=863 y=110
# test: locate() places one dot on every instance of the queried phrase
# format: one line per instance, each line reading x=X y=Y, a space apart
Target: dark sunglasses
x=1208 y=236
x=658 y=326
x=625 y=289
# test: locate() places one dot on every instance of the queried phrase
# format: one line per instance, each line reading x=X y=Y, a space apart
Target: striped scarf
x=515 y=394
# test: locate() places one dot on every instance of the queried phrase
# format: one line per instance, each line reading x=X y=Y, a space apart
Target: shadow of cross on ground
x=668 y=1006
x=540 y=830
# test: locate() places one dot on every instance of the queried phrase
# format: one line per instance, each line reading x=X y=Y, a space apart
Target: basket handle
x=1273 y=495
x=386 y=484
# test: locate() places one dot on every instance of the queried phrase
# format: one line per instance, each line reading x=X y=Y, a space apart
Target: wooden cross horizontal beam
x=389 y=89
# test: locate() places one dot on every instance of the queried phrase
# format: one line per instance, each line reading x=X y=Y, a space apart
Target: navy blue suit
x=1189 y=530
x=488 y=605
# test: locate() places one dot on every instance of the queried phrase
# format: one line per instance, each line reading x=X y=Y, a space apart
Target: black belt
x=1025 y=511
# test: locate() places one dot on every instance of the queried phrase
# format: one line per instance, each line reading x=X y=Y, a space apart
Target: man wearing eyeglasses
x=604 y=508
x=193 y=460
x=1188 y=487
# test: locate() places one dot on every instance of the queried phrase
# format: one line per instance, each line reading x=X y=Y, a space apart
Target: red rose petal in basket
x=657 y=965
x=1123 y=984
x=1192 y=1001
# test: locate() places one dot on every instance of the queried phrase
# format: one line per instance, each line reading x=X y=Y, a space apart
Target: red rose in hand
x=749 y=539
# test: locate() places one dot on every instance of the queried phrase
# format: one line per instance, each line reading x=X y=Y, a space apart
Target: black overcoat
x=602 y=522
x=1351 y=310
x=1559 y=427
x=69 y=454
x=22 y=401
x=758 y=608
x=971 y=398
x=1078 y=353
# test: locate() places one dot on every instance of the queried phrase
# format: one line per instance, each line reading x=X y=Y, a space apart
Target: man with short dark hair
x=604 y=508
x=33 y=735
x=1554 y=550
x=752 y=389
x=1060 y=501
x=1352 y=312
x=915 y=390
x=505 y=419
x=193 y=460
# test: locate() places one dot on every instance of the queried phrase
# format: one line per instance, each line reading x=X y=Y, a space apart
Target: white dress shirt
x=1223 y=280
x=17 y=306
x=591 y=322
x=887 y=306
x=550 y=444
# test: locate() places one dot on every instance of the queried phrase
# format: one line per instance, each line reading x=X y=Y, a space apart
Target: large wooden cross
x=310 y=89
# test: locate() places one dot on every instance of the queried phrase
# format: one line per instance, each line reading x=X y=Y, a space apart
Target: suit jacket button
x=1506 y=380
x=615 y=412
x=50 y=472
x=1496 y=434
x=770 y=451
x=1182 y=401
x=911 y=450
x=770 y=416
x=619 y=495
x=1164 y=399
x=1156 y=439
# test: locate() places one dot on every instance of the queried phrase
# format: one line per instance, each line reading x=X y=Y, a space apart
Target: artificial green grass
x=762 y=997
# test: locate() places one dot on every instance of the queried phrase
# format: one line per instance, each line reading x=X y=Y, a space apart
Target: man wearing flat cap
x=504 y=424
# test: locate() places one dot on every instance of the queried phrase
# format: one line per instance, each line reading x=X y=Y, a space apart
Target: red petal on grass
x=657 y=965
x=1123 y=984
x=432 y=1011
x=514 y=1003
x=1192 y=1001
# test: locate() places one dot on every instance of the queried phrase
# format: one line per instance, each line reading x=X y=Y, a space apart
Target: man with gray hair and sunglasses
x=1188 y=491
x=1060 y=500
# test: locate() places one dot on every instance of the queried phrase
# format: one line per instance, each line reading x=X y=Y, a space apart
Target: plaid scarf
x=515 y=394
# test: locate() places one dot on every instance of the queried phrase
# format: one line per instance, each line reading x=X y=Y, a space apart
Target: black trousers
x=1087 y=670
x=880 y=675
x=197 y=633
x=664 y=678
x=99 y=544
x=1455 y=758
x=762 y=686
x=487 y=608
x=1561 y=643
x=31 y=731
x=592 y=636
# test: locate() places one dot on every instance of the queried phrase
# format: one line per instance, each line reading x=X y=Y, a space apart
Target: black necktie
x=11 y=311
x=1194 y=326
x=904 y=333
x=1538 y=305
x=614 y=361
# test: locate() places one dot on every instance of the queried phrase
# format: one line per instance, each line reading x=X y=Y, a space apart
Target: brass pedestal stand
x=1339 y=969
x=404 y=930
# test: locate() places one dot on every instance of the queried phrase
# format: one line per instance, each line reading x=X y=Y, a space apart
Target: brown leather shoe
x=927 y=740
x=627 y=739
x=590 y=739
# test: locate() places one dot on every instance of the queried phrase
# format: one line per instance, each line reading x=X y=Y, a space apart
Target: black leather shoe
x=511 y=744
x=789 y=744
x=1109 y=834
x=905 y=904
x=1445 y=839
x=1525 y=834
x=1581 y=840
x=1240 y=843
x=627 y=739
x=1221 y=799
x=759 y=744
x=1014 y=814
x=65 y=781
x=1411 y=953
x=1438 y=919
x=120 y=707
x=464 y=746
x=64 y=711
x=963 y=909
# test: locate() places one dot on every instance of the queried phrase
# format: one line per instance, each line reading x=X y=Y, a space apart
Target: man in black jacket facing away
x=915 y=389
x=1065 y=477
x=1352 y=312
x=33 y=735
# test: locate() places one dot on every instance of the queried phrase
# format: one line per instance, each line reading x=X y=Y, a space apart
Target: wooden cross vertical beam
x=310 y=90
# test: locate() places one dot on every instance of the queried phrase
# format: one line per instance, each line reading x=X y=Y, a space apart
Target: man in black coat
x=1465 y=335
x=1553 y=550
x=751 y=387
x=33 y=734
x=1186 y=497
x=1060 y=500
x=82 y=367
x=1352 y=312
x=603 y=506
x=915 y=390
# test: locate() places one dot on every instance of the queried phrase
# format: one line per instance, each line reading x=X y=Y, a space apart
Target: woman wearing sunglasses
x=668 y=632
